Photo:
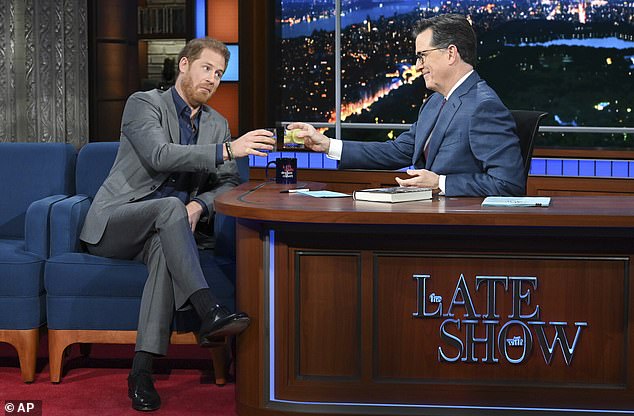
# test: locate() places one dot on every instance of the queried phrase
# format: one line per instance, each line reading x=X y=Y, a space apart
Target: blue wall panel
x=315 y=161
x=603 y=168
x=330 y=163
x=554 y=167
x=619 y=169
x=539 y=166
x=586 y=168
x=570 y=168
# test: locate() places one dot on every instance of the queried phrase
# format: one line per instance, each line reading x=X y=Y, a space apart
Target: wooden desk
x=435 y=307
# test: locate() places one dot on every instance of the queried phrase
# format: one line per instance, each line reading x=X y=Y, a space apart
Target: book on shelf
x=393 y=194
x=524 y=201
x=161 y=20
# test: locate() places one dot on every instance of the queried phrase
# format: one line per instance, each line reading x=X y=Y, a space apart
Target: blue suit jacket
x=474 y=144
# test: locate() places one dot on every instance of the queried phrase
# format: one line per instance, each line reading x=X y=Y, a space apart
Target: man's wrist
x=203 y=206
x=227 y=152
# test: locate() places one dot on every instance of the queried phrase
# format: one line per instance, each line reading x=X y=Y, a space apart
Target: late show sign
x=512 y=335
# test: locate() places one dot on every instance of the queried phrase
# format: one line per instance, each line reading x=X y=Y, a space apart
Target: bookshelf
x=163 y=27
x=157 y=18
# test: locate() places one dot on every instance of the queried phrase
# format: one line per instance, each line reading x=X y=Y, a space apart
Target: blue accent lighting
x=554 y=167
x=258 y=162
x=619 y=169
x=201 y=21
x=302 y=160
x=571 y=167
x=232 y=73
x=586 y=168
x=603 y=168
x=538 y=167
x=330 y=163
x=315 y=161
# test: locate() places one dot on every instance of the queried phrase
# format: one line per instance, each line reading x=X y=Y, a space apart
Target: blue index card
x=323 y=194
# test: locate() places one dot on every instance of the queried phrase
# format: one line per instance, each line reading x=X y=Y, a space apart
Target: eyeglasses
x=422 y=55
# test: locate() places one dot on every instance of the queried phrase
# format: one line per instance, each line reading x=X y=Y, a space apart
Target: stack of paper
x=525 y=201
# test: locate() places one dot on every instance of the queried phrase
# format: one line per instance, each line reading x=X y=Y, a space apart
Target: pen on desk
x=291 y=191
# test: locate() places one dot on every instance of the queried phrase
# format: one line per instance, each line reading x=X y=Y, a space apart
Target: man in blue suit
x=464 y=141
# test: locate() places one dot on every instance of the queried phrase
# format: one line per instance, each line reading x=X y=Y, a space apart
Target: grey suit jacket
x=150 y=151
x=473 y=142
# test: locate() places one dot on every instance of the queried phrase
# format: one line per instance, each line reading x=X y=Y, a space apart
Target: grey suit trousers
x=156 y=232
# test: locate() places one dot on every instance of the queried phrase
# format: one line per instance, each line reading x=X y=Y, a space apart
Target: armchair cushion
x=37 y=225
x=29 y=172
x=92 y=292
x=22 y=301
x=15 y=264
x=67 y=218
x=93 y=165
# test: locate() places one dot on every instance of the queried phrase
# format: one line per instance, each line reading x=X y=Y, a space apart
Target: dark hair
x=451 y=29
x=195 y=47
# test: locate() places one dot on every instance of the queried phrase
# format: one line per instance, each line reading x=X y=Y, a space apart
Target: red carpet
x=97 y=384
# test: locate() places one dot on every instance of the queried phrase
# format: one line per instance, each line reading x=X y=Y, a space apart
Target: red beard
x=194 y=95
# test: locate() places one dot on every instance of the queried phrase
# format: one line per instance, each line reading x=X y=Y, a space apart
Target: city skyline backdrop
x=573 y=59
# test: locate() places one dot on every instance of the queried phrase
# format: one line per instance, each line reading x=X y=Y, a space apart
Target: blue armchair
x=34 y=177
x=92 y=299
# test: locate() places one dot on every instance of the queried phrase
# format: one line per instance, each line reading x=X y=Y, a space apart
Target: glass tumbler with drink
x=274 y=131
x=291 y=141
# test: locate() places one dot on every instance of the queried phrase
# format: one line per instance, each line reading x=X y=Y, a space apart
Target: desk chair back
x=527 y=127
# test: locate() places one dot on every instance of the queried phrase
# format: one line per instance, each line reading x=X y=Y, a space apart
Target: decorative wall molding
x=45 y=56
x=7 y=71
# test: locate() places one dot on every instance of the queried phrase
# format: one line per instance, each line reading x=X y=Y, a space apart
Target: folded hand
x=421 y=178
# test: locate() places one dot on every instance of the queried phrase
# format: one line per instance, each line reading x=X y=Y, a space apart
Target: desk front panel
x=452 y=320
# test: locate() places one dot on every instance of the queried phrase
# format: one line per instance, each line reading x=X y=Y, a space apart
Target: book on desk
x=393 y=194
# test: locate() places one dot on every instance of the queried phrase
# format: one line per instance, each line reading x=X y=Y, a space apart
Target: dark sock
x=142 y=361
x=203 y=301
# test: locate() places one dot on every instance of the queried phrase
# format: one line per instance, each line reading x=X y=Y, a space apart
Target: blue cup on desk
x=285 y=170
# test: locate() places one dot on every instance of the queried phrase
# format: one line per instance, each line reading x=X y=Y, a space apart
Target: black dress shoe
x=142 y=392
x=219 y=322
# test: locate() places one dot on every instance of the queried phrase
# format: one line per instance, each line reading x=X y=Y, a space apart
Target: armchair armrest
x=67 y=220
x=37 y=225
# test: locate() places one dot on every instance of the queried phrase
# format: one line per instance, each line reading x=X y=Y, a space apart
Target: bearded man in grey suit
x=175 y=157
x=464 y=141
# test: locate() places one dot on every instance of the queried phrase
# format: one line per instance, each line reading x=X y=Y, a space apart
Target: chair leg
x=57 y=344
x=219 y=359
x=25 y=342
x=27 y=353
x=59 y=340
